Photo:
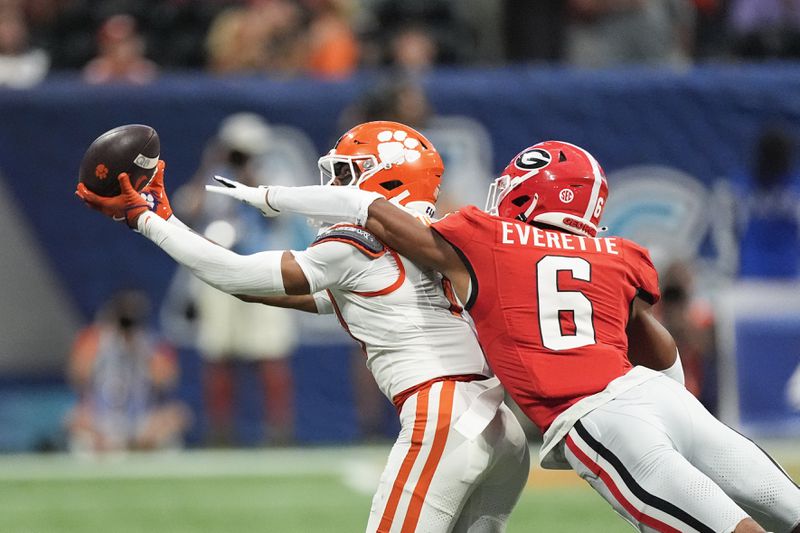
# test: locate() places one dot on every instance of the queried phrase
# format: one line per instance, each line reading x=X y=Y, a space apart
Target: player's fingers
x=85 y=194
x=89 y=198
x=232 y=193
x=125 y=183
x=81 y=190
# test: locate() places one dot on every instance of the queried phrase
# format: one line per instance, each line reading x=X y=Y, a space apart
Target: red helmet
x=554 y=183
x=388 y=158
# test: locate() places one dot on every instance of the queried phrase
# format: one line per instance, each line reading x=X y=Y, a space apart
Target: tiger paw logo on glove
x=397 y=147
x=150 y=199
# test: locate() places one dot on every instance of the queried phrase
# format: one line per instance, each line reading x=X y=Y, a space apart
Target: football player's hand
x=156 y=194
x=113 y=206
x=128 y=205
x=255 y=196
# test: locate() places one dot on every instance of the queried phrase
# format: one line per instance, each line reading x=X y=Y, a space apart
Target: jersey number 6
x=553 y=303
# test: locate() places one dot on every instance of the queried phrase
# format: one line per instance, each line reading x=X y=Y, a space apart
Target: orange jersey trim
x=344 y=323
x=450 y=294
x=400 y=398
x=394 y=286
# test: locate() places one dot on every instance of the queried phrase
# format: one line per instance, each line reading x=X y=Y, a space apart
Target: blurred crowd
x=132 y=40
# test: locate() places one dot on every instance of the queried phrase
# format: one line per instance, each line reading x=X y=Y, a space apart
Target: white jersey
x=460 y=460
x=410 y=331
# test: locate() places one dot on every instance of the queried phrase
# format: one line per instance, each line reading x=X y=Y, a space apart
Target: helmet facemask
x=502 y=187
x=359 y=167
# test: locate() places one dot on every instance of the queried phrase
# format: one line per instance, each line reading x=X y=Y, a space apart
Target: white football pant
x=666 y=464
x=437 y=481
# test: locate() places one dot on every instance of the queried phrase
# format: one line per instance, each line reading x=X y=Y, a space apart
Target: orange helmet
x=389 y=158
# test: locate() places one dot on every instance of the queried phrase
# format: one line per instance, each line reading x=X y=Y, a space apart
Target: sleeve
x=323 y=203
x=644 y=273
x=331 y=264
x=456 y=228
x=323 y=302
x=257 y=274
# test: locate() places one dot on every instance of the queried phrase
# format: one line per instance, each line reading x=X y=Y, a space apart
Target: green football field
x=299 y=490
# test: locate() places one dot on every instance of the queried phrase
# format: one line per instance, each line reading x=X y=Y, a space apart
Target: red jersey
x=550 y=307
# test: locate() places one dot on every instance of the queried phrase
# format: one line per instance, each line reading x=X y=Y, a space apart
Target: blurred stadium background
x=691 y=106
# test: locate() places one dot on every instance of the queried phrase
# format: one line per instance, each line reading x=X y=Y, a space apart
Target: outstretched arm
x=419 y=242
x=391 y=224
x=271 y=273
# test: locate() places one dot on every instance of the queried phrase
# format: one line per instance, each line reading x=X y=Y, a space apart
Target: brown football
x=134 y=148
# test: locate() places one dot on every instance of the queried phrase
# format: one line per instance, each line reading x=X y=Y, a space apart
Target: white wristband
x=323 y=202
x=676 y=370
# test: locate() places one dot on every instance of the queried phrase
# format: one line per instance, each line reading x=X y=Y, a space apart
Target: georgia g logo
x=533 y=159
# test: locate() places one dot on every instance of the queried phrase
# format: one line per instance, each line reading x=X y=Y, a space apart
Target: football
x=134 y=148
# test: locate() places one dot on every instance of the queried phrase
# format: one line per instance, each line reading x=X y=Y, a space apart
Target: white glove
x=255 y=196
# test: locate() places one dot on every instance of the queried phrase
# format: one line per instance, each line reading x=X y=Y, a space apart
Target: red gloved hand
x=156 y=194
x=128 y=205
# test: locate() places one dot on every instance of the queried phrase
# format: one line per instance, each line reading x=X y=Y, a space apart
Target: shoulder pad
x=363 y=240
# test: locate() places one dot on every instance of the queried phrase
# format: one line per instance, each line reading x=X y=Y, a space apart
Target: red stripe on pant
x=650 y=521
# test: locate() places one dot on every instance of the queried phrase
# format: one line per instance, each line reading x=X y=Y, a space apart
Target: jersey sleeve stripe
x=437 y=449
x=417 y=435
x=646 y=296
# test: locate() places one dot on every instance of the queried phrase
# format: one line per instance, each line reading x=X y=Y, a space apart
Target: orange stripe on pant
x=437 y=449
x=420 y=421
